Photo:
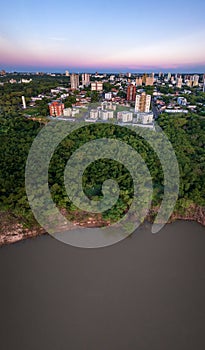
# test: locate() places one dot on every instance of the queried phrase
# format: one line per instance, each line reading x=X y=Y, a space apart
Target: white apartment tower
x=179 y=82
x=142 y=103
x=85 y=79
x=74 y=79
x=195 y=80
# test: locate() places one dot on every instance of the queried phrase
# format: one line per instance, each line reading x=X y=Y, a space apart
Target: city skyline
x=102 y=36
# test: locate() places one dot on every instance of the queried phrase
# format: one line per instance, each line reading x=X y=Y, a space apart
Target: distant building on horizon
x=195 y=80
x=139 y=81
x=204 y=82
x=74 y=79
x=179 y=82
x=85 y=79
x=149 y=81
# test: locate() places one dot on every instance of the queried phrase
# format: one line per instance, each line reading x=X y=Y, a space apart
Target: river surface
x=144 y=293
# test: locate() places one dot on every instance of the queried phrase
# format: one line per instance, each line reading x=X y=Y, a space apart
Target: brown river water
x=144 y=293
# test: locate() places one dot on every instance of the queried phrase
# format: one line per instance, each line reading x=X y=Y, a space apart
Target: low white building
x=94 y=114
x=176 y=111
x=145 y=118
x=108 y=96
x=74 y=112
x=108 y=105
x=26 y=81
x=125 y=116
x=105 y=115
x=67 y=112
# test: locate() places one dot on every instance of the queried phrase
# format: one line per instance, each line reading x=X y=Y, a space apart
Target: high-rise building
x=97 y=86
x=56 y=108
x=195 y=80
x=149 y=81
x=169 y=76
x=138 y=81
x=131 y=92
x=74 y=79
x=67 y=74
x=179 y=82
x=85 y=79
x=142 y=103
x=144 y=77
x=204 y=83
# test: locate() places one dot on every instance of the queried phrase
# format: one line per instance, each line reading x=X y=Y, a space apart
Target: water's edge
x=15 y=231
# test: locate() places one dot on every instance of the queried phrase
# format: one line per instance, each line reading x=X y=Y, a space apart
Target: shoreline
x=15 y=232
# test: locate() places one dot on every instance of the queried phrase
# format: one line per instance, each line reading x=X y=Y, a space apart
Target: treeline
x=187 y=135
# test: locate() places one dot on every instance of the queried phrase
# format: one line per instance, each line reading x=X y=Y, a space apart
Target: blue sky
x=106 y=35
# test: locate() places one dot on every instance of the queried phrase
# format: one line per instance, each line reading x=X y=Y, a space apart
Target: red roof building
x=131 y=93
x=56 y=108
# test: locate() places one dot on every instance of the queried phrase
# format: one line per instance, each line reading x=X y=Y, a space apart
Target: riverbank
x=13 y=229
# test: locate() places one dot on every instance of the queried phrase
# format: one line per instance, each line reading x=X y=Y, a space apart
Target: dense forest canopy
x=187 y=135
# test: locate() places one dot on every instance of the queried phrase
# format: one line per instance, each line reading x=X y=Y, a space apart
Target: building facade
x=97 y=86
x=105 y=115
x=74 y=80
x=85 y=79
x=145 y=118
x=142 y=103
x=94 y=114
x=125 y=116
x=179 y=82
x=139 y=81
x=131 y=92
x=56 y=108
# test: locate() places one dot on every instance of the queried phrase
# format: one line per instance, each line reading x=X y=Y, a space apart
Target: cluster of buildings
x=177 y=104
x=75 y=82
x=142 y=101
x=125 y=90
x=122 y=116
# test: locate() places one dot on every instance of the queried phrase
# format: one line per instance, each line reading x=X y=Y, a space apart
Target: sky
x=102 y=35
